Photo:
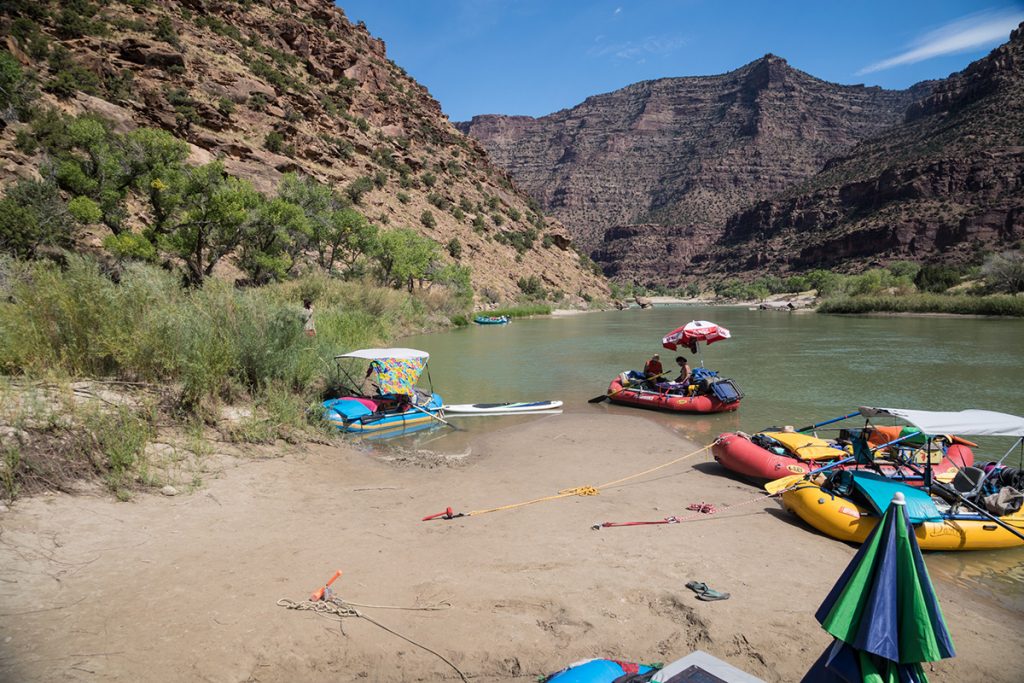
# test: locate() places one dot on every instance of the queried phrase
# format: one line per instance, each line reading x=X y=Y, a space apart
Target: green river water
x=793 y=368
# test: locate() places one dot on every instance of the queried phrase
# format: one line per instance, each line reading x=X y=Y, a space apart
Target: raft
x=796 y=453
x=365 y=415
x=492 y=320
x=937 y=527
x=669 y=397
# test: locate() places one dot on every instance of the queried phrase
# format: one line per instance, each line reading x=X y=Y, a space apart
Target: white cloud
x=638 y=50
x=971 y=32
x=618 y=10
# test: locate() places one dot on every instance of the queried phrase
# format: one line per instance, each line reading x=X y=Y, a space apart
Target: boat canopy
x=376 y=354
x=965 y=422
x=397 y=369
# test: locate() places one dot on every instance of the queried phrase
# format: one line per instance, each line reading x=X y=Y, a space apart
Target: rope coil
x=336 y=609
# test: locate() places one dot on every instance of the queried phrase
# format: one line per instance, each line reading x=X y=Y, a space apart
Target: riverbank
x=186 y=588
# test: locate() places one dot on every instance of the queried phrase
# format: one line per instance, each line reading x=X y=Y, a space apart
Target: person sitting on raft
x=684 y=370
x=653 y=369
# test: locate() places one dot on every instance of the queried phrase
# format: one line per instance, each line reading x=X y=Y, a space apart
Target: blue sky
x=538 y=56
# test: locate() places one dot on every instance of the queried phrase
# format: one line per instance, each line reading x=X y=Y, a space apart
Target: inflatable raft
x=381 y=414
x=719 y=397
x=774 y=454
x=492 y=320
x=853 y=515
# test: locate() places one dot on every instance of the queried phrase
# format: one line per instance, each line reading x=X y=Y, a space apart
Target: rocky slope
x=646 y=177
x=277 y=87
x=945 y=186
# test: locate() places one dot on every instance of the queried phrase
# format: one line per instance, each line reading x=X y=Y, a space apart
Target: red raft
x=767 y=456
x=669 y=397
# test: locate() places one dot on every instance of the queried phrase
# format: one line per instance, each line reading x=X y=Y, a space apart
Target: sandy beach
x=187 y=588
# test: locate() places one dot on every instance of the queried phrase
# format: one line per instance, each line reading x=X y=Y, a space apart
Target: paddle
x=598 y=399
x=436 y=417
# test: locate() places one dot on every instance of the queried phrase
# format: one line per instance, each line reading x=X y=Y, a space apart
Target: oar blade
x=777 y=485
x=598 y=399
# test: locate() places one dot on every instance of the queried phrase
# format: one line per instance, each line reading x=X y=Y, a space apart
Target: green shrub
x=454 y=248
x=17 y=91
x=358 y=187
x=532 y=287
x=403 y=197
x=936 y=278
x=273 y=142
x=1005 y=272
x=428 y=220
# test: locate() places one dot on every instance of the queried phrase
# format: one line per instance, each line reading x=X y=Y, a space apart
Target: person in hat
x=653 y=369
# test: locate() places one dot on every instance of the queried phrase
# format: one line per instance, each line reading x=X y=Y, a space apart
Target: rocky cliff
x=277 y=87
x=646 y=177
x=945 y=186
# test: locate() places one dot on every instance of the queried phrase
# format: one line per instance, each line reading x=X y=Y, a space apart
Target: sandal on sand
x=711 y=594
x=698 y=587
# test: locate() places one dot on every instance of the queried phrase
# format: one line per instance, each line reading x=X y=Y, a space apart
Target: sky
x=536 y=57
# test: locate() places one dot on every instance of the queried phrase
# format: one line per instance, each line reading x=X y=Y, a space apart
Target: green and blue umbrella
x=883 y=611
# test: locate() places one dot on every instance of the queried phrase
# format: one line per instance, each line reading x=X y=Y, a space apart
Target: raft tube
x=666 y=400
x=737 y=453
x=845 y=520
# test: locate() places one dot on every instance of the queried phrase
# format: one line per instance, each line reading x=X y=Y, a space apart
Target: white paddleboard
x=501 y=408
x=556 y=411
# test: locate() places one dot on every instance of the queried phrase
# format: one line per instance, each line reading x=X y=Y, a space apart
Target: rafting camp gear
x=883 y=612
x=776 y=453
x=629 y=388
x=848 y=505
x=599 y=671
x=323 y=593
x=397 y=404
x=692 y=333
x=627 y=379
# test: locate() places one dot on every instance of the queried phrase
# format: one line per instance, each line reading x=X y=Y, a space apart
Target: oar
x=436 y=417
x=828 y=422
x=980 y=510
x=598 y=399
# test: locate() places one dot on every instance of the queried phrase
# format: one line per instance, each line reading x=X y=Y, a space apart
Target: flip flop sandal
x=711 y=594
x=698 y=587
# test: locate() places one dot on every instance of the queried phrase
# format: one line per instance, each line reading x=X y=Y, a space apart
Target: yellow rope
x=586 y=490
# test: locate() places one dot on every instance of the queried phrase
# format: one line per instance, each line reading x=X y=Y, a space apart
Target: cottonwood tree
x=402 y=257
x=272 y=239
x=209 y=219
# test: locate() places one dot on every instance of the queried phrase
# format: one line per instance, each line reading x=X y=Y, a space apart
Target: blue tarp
x=879 y=491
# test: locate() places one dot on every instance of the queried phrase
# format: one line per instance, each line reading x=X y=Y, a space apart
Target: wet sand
x=186 y=588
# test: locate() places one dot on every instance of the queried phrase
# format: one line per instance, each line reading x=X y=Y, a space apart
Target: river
x=793 y=368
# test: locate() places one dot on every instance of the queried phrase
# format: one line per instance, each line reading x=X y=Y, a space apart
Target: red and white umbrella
x=693 y=332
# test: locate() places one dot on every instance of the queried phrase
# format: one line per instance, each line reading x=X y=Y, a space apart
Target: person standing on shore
x=308 y=326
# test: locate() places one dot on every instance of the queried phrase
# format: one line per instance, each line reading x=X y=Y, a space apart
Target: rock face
x=656 y=169
x=224 y=75
x=945 y=186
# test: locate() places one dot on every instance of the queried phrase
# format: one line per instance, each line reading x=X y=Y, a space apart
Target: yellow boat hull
x=839 y=518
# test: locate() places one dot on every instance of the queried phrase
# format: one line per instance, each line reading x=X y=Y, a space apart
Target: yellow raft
x=845 y=520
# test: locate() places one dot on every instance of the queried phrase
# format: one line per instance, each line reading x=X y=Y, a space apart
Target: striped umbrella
x=883 y=611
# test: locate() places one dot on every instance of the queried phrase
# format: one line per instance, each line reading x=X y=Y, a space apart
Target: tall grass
x=520 y=311
x=996 y=304
x=217 y=341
